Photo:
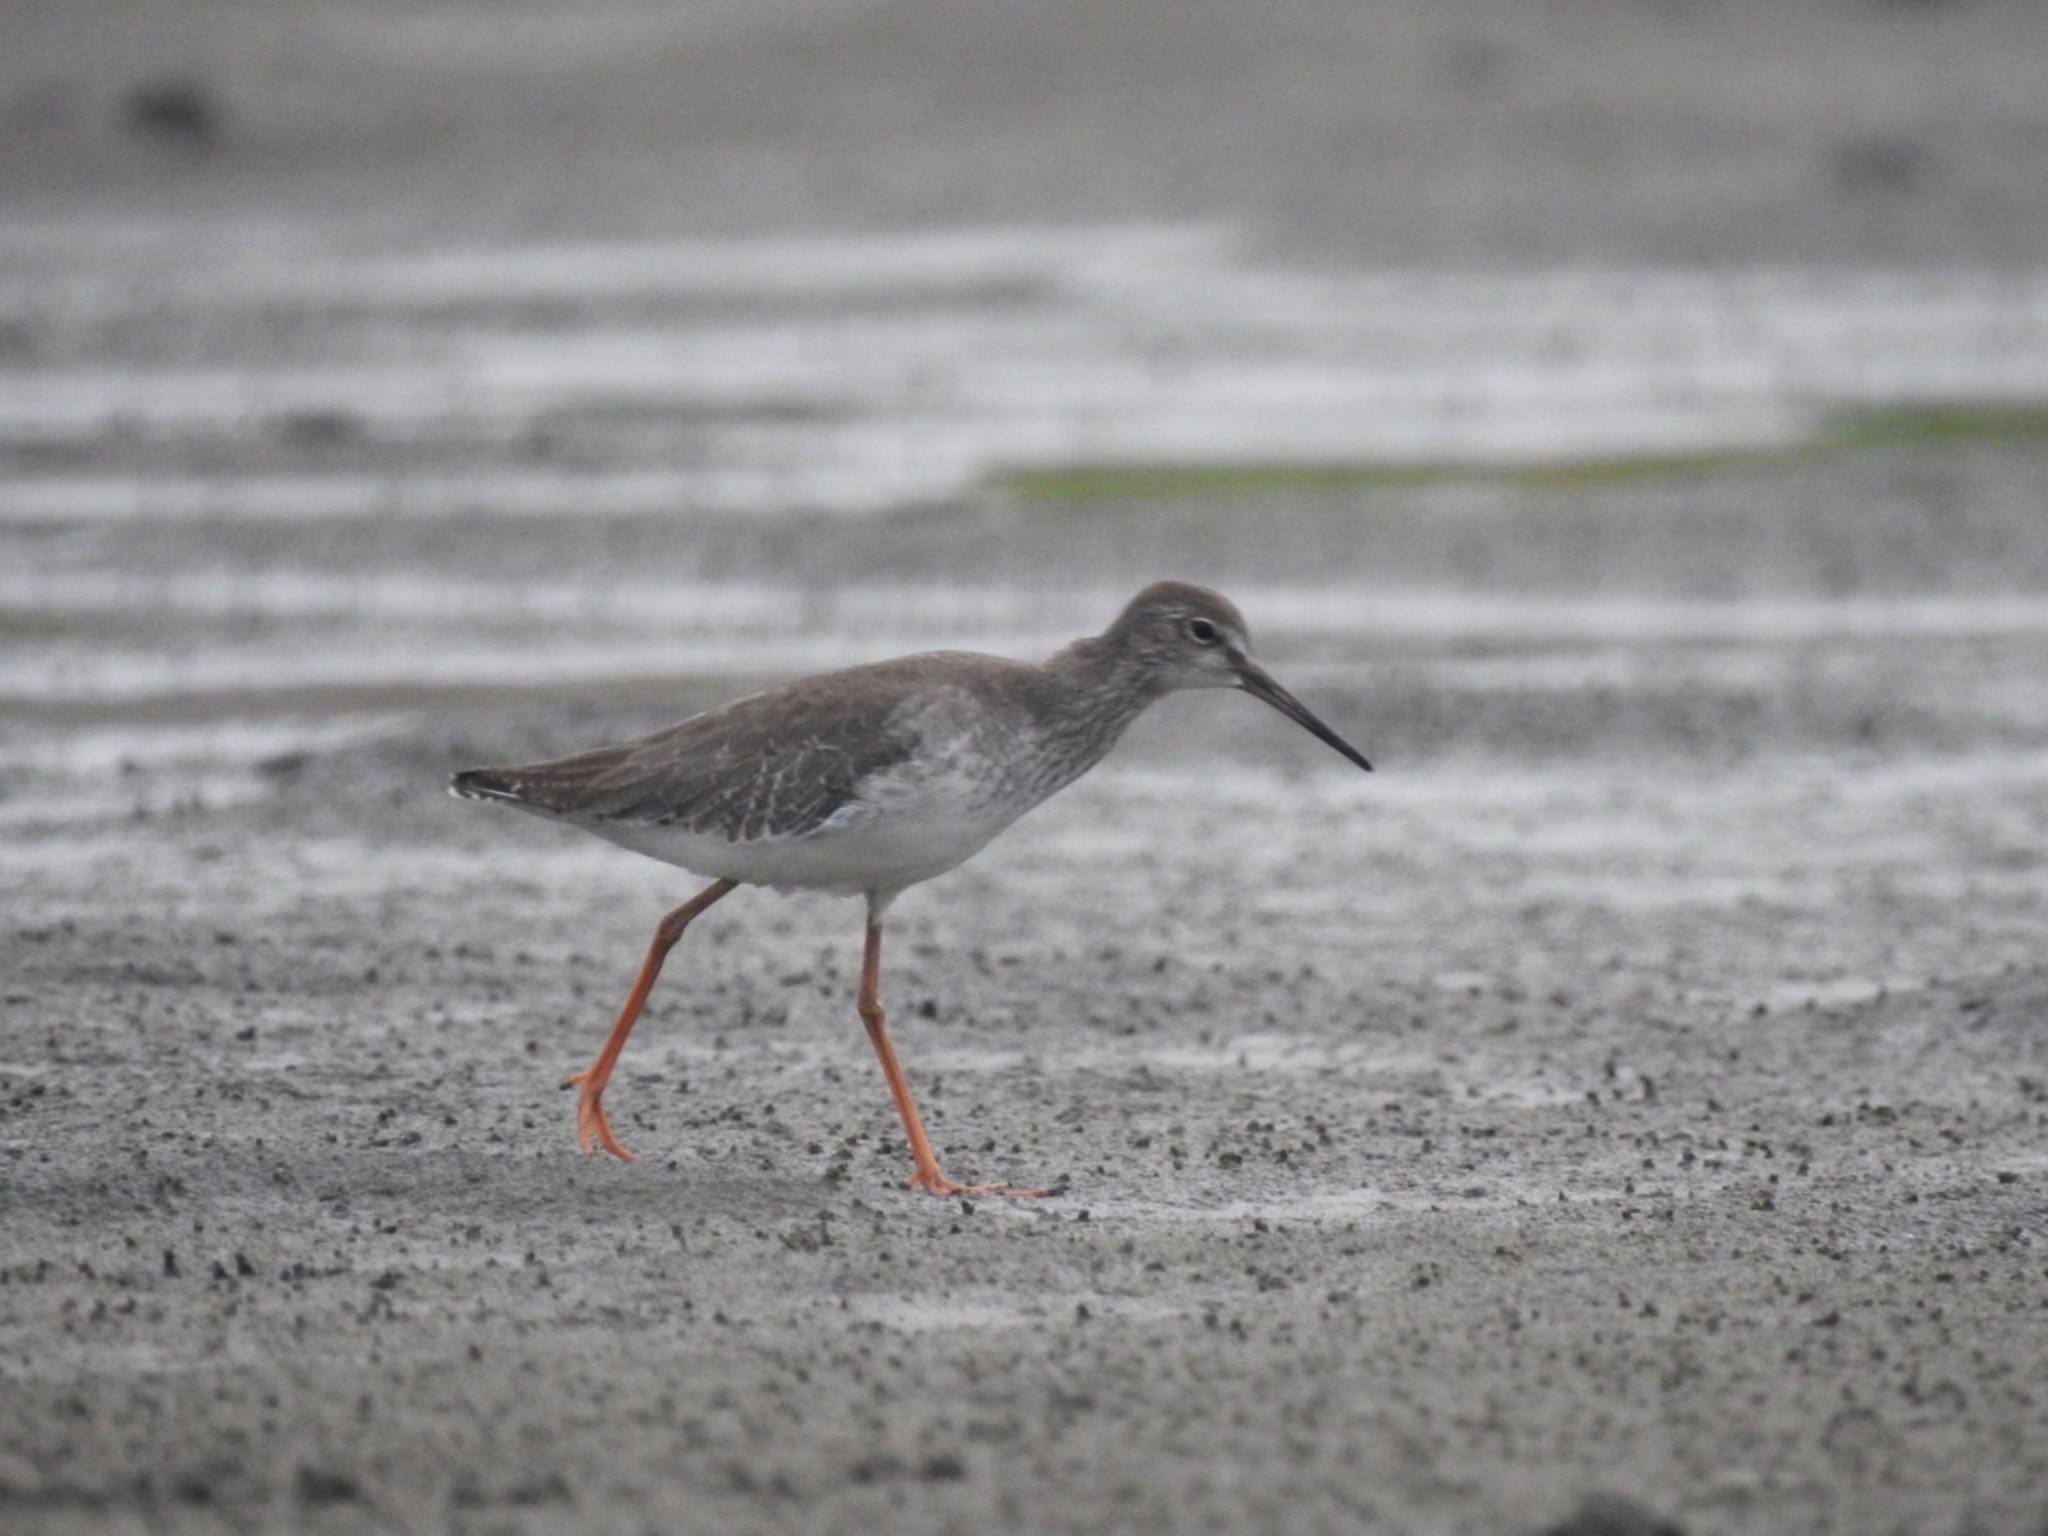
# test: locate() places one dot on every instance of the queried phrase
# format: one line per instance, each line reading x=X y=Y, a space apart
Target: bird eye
x=1202 y=632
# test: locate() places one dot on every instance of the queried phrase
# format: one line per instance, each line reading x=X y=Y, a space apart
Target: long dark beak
x=1255 y=680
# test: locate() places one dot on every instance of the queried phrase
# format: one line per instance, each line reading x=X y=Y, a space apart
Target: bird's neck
x=1080 y=701
x=1099 y=689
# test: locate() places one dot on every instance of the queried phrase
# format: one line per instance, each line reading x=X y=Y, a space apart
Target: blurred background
x=359 y=359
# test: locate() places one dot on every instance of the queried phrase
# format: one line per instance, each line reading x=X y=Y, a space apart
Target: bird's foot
x=933 y=1182
x=592 y=1129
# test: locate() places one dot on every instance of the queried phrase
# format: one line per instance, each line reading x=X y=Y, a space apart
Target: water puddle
x=401 y=630
x=1839 y=991
x=1343 y=1207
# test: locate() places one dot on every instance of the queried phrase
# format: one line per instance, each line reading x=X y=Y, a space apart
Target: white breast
x=907 y=824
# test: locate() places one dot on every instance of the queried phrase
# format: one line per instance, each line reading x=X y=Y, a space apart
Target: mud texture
x=1626 y=1111
x=1433 y=1151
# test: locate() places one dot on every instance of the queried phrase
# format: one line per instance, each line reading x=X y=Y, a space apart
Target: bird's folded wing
x=737 y=772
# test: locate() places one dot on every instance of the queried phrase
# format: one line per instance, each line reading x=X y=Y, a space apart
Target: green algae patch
x=1932 y=424
x=1905 y=426
x=1232 y=482
x=1188 y=481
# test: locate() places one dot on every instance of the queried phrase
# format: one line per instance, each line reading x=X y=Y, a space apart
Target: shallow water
x=239 y=446
x=867 y=372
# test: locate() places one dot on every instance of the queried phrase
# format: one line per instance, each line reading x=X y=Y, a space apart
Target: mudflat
x=1626 y=1110
x=1643 y=1096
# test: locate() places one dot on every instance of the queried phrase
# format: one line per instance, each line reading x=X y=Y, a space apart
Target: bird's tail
x=485 y=784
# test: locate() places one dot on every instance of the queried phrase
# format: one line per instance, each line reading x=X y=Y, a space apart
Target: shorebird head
x=1194 y=637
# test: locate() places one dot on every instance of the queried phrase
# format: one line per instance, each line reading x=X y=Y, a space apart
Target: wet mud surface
x=1629 y=1106
x=1431 y=1151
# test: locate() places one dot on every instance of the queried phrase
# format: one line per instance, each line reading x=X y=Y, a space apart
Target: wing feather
x=741 y=771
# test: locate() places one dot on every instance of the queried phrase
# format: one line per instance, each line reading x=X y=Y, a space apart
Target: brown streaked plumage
x=868 y=780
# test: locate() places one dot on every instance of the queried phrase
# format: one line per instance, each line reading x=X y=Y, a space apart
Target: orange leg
x=591 y=1126
x=925 y=1172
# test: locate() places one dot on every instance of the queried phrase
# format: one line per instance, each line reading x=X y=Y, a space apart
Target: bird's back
x=778 y=764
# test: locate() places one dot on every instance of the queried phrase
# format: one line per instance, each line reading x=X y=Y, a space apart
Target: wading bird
x=868 y=780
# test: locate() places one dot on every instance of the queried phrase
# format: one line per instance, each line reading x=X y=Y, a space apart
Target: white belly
x=849 y=862
x=903 y=829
